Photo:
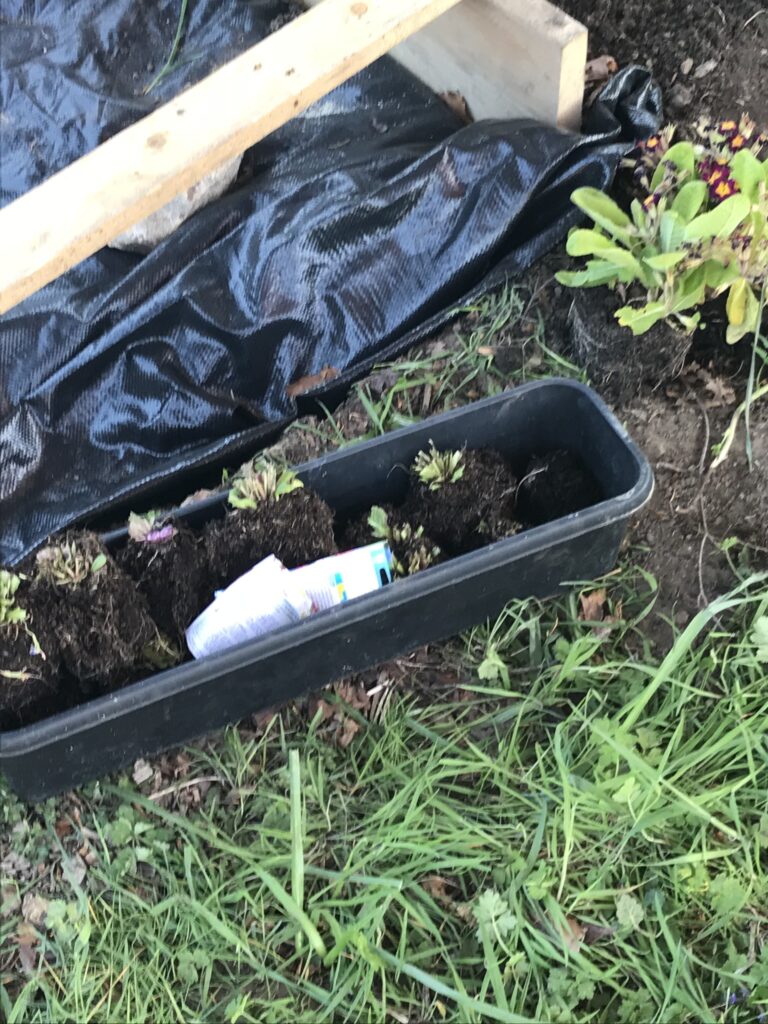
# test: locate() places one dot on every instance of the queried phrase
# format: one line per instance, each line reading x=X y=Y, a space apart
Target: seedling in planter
x=272 y=514
x=262 y=482
x=438 y=469
x=92 y=606
x=700 y=231
x=27 y=677
x=462 y=498
x=412 y=550
x=170 y=569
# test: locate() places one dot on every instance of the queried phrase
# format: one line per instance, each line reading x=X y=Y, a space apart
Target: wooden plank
x=507 y=58
x=83 y=207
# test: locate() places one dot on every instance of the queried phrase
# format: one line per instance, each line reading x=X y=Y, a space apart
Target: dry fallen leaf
x=457 y=104
x=9 y=900
x=142 y=772
x=572 y=933
x=600 y=69
x=27 y=939
x=593 y=605
x=74 y=869
x=313 y=380
x=437 y=887
x=34 y=909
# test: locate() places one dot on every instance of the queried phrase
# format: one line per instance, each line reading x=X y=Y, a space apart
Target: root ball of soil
x=173 y=577
x=297 y=528
x=102 y=623
x=555 y=485
x=28 y=677
x=474 y=510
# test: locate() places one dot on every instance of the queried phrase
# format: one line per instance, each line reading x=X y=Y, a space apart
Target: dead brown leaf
x=311 y=381
x=34 y=909
x=572 y=933
x=75 y=869
x=437 y=887
x=62 y=827
x=456 y=102
x=142 y=772
x=593 y=605
x=349 y=729
x=27 y=939
x=9 y=900
x=600 y=69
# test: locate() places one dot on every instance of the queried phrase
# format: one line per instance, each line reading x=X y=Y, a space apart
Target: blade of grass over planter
x=556 y=825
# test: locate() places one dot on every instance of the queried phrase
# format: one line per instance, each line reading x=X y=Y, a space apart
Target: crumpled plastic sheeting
x=350 y=233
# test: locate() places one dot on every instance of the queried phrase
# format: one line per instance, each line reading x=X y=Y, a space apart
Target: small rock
x=705 y=69
x=680 y=98
x=687 y=66
x=142 y=772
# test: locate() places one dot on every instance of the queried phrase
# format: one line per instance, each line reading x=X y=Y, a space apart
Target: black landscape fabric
x=349 y=234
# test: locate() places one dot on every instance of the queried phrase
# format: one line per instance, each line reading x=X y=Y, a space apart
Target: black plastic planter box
x=177 y=705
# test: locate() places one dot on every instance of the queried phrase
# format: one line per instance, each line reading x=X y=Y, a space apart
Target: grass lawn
x=546 y=819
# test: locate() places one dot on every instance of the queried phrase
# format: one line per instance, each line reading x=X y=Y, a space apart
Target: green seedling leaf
x=629 y=912
x=719 y=276
x=671 y=231
x=596 y=273
x=586 y=242
x=98 y=563
x=665 y=260
x=378 y=522
x=682 y=156
x=604 y=212
x=748 y=172
x=759 y=638
x=736 y=304
x=492 y=912
x=689 y=200
x=727 y=895
x=720 y=222
x=690 y=289
x=643 y=318
x=748 y=325
x=624 y=260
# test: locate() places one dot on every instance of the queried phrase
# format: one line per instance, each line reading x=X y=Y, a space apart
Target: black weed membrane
x=349 y=234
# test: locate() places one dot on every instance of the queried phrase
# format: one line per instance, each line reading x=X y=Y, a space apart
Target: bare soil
x=710 y=58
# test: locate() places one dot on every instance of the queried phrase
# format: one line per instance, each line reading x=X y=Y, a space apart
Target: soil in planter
x=173 y=576
x=102 y=623
x=29 y=685
x=615 y=360
x=474 y=510
x=297 y=528
x=555 y=485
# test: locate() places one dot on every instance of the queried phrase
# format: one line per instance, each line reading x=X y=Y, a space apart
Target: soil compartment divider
x=185 y=702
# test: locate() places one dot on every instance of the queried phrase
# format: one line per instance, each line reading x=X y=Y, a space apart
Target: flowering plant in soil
x=700 y=231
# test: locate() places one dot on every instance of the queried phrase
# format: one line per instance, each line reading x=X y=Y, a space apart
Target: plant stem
x=174 y=50
x=297 y=837
x=730 y=434
x=751 y=380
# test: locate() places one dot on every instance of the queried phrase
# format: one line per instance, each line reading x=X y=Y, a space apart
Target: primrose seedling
x=151 y=528
x=438 y=469
x=261 y=482
x=411 y=550
x=67 y=564
x=10 y=613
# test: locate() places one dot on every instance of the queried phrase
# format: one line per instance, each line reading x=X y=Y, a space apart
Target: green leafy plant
x=68 y=563
x=262 y=481
x=438 y=469
x=418 y=552
x=701 y=231
x=10 y=613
